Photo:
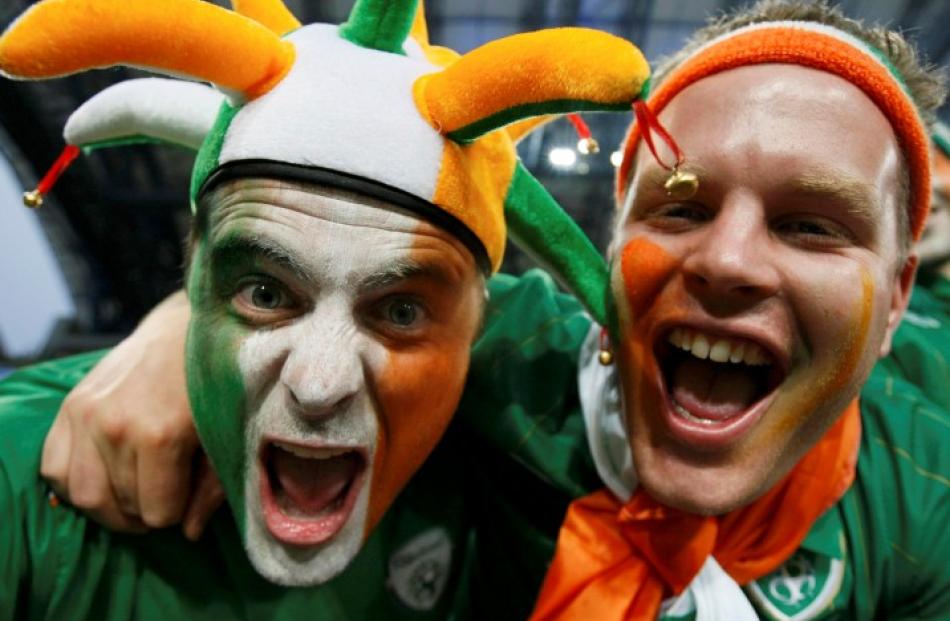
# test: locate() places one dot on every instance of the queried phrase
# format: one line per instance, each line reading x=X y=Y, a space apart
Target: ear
x=901 y=289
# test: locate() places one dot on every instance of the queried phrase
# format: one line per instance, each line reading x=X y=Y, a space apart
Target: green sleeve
x=36 y=538
x=920 y=351
x=525 y=442
x=14 y=561
x=899 y=507
x=521 y=396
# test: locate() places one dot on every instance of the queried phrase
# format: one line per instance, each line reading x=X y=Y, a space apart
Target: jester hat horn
x=369 y=106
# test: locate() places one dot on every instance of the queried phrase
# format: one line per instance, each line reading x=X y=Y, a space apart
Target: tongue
x=713 y=390
x=312 y=484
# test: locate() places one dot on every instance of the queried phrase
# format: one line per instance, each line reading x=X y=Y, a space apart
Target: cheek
x=853 y=336
x=217 y=392
x=834 y=371
x=644 y=269
x=417 y=393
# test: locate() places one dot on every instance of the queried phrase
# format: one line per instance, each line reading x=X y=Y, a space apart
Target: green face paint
x=215 y=385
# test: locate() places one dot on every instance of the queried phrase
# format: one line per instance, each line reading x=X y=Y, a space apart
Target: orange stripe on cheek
x=416 y=395
x=645 y=267
x=845 y=366
x=856 y=339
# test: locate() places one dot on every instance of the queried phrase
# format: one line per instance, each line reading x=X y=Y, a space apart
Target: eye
x=402 y=312
x=266 y=296
x=263 y=300
x=398 y=317
x=804 y=227
x=684 y=211
x=677 y=216
x=814 y=230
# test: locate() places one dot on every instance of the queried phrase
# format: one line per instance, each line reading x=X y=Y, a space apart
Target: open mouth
x=308 y=492
x=716 y=387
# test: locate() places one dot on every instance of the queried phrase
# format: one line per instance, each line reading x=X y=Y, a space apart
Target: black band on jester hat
x=358 y=185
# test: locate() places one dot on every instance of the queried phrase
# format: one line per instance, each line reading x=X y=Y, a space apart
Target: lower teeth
x=688 y=416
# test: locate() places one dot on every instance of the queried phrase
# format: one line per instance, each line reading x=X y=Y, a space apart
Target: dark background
x=117 y=218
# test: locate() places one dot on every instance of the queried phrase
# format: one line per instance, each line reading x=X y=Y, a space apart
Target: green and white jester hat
x=368 y=106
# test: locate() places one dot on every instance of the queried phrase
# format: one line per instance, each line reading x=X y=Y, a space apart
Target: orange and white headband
x=816 y=46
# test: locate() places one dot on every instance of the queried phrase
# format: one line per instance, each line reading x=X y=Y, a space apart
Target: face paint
x=838 y=372
x=317 y=358
x=405 y=393
x=644 y=269
x=215 y=385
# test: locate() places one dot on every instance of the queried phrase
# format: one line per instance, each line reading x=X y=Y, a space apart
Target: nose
x=731 y=261
x=323 y=372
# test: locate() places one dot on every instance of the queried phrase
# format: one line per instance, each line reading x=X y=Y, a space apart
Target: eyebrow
x=857 y=196
x=236 y=247
x=403 y=270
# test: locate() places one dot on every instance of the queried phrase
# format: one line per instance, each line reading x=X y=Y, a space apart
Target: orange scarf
x=617 y=562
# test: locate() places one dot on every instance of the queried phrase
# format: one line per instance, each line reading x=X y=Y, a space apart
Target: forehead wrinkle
x=282 y=202
x=271 y=199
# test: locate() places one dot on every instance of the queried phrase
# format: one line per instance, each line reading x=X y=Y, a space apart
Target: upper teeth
x=719 y=349
x=311 y=452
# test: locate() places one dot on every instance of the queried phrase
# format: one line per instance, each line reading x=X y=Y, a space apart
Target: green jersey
x=472 y=534
x=920 y=352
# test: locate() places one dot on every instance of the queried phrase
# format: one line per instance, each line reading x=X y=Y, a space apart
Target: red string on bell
x=586 y=143
x=68 y=155
x=649 y=125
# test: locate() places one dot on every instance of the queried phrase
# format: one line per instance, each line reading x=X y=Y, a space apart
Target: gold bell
x=33 y=199
x=588 y=146
x=681 y=184
x=606 y=357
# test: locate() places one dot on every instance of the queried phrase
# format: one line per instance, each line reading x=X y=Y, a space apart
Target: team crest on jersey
x=419 y=570
x=800 y=589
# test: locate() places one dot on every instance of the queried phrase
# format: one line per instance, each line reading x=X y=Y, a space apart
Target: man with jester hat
x=353 y=189
x=716 y=445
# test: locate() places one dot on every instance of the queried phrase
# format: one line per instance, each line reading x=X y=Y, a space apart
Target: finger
x=205 y=500
x=164 y=479
x=91 y=490
x=119 y=460
x=54 y=464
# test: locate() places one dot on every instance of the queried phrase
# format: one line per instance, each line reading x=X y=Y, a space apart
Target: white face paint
x=318 y=400
x=316 y=286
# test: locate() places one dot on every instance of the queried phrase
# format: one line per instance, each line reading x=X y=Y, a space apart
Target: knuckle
x=158 y=436
x=53 y=474
x=77 y=403
x=163 y=435
x=160 y=518
x=112 y=427
x=88 y=498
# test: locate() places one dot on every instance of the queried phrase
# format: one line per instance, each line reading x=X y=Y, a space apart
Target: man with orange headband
x=756 y=477
x=727 y=452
